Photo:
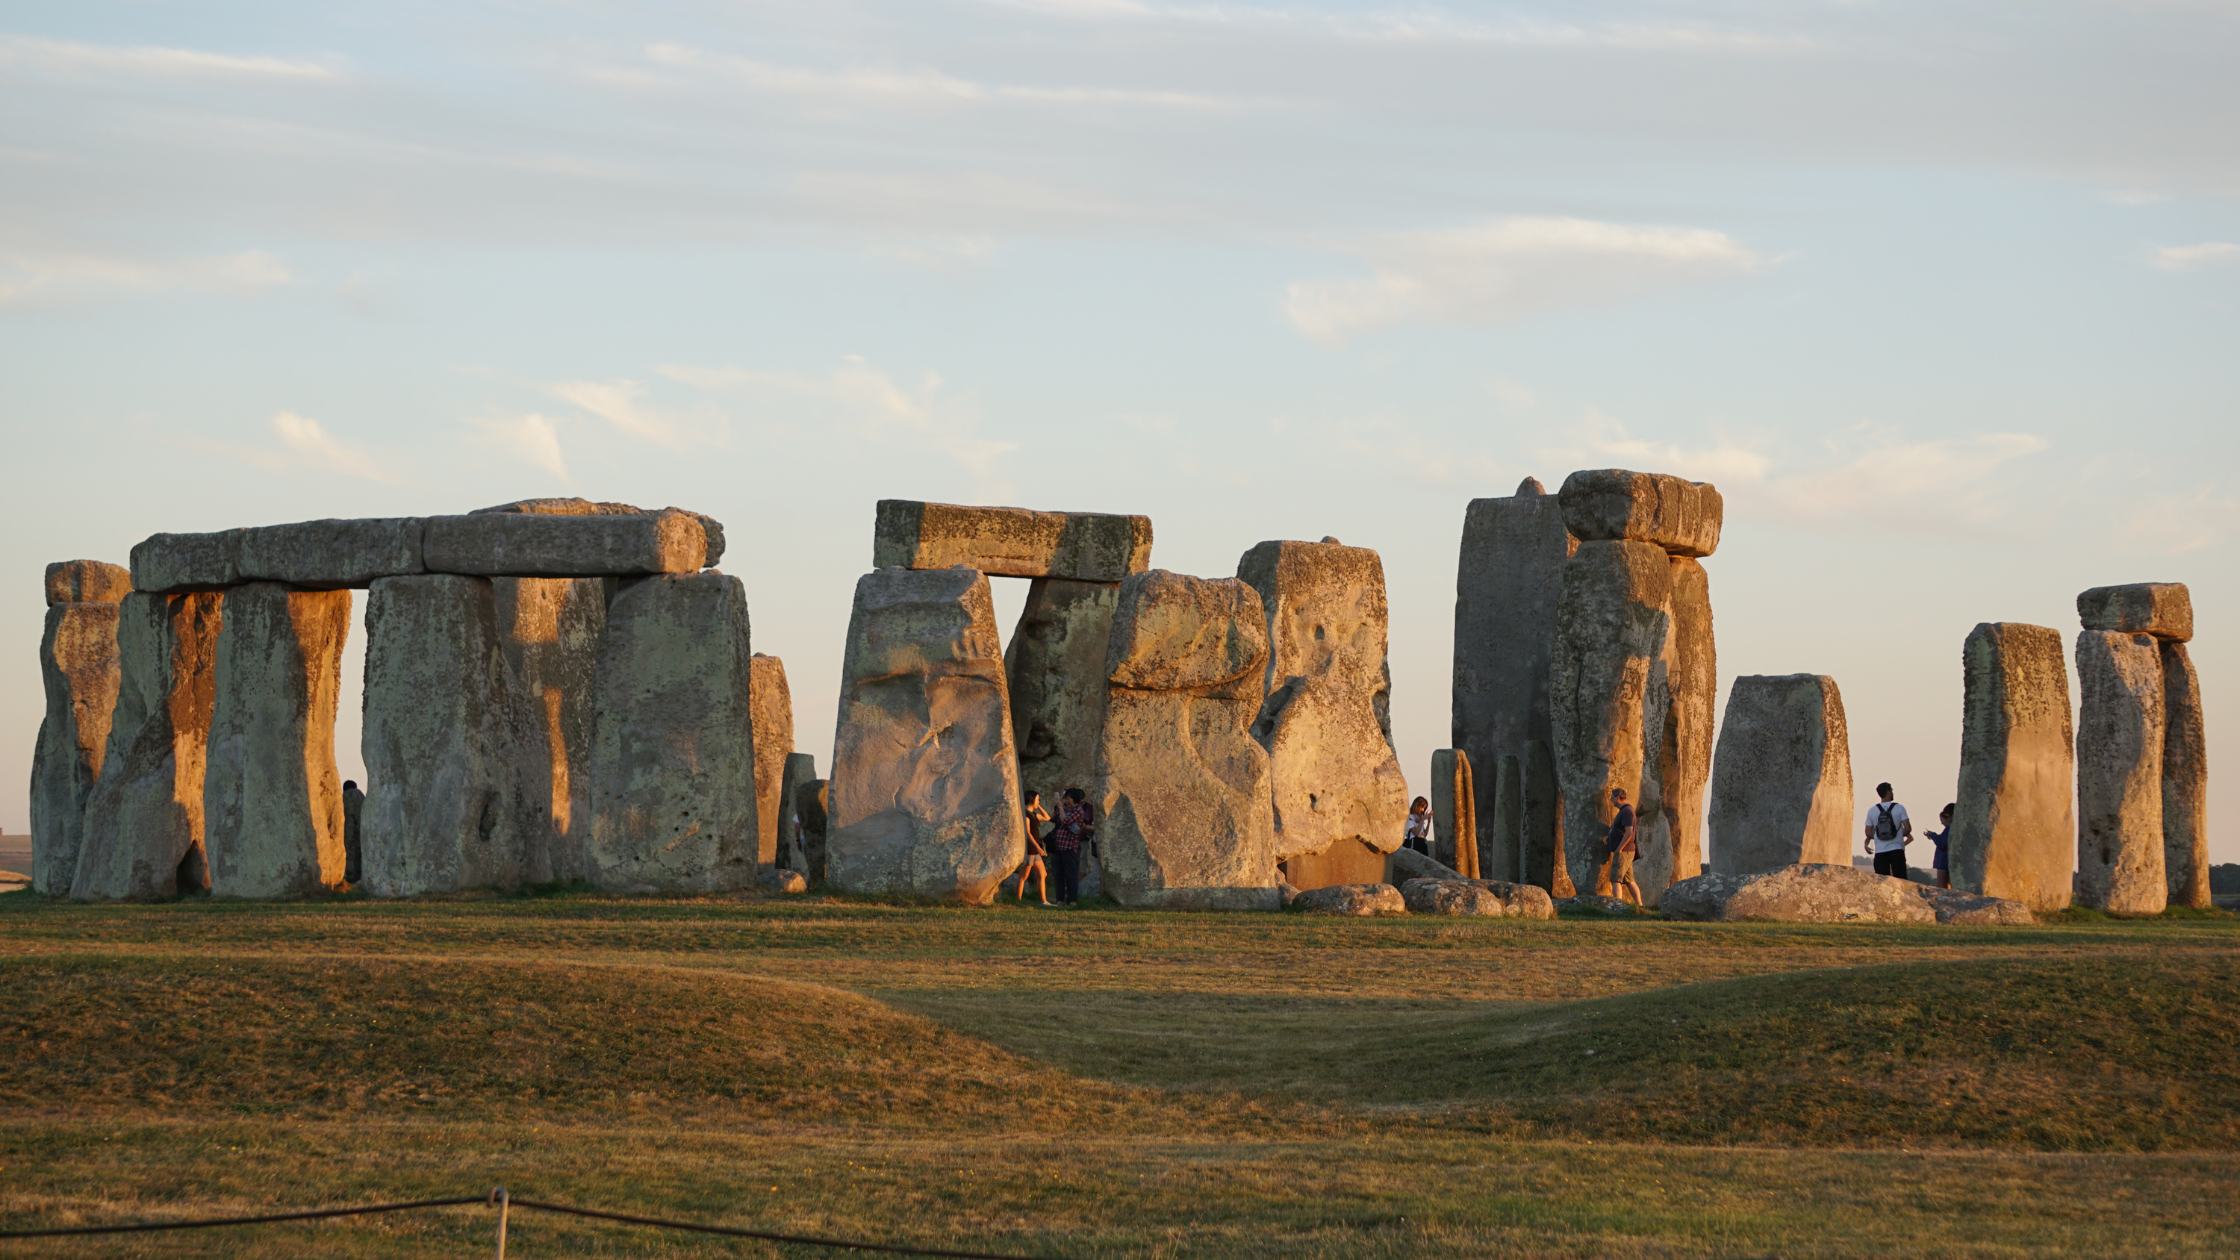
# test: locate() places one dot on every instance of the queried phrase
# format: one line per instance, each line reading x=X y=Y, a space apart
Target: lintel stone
x=1010 y=542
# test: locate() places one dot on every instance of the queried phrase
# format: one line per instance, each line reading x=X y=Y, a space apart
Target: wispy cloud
x=532 y=439
x=66 y=279
x=623 y=404
x=148 y=60
x=304 y=443
x=2188 y=257
x=2171 y=524
x=877 y=85
x=1508 y=270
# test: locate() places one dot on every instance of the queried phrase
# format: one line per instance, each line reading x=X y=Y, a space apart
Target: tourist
x=1941 y=863
x=1419 y=827
x=1621 y=846
x=1073 y=832
x=353 y=832
x=1889 y=831
x=1035 y=866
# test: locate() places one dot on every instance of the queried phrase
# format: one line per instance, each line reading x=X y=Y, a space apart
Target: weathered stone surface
x=1684 y=764
x=1010 y=542
x=353 y=834
x=168 y=563
x=1507 y=589
x=1612 y=504
x=528 y=544
x=2162 y=609
x=1607 y=688
x=1781 y=794
x=86 y=582
x=1491 y=897
x=1805 y=892
x=1408 y=864
x=1183 y=793
x=2185 y=781
x=710 y=526
x=1501 y=849
x=78 y=665
x=1542 y=820
x=925 y=785
x=2120 y=735
x=812 y=805
x=271 y=797
x=1332 y=770
x=779 y=880
x=795 y=814
x=331 y=554
x=1359 y=900
x=1594 y=903
x=1056 y=667
x=549 y=630
x=1454 y=824
x=1966 y=909
x=772 y=705
x=452 y=741
x=671 y=805
x=143 y=834
x=2013 y=822
x=1346 y=862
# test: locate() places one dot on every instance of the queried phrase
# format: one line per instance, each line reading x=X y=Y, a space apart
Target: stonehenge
x=1454 y=824
x=2120 y=738
x=1055 y=668
x=801 y=803
x=78 y=668
x=772 y=707
x=1781 y=783
x=1010 y=542
x=2185 y=780
x=1607 y=693
x=1501 y=852
x=2012 y=821
x=549 y=631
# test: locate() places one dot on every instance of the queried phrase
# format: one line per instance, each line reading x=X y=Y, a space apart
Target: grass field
x=1107 y=1083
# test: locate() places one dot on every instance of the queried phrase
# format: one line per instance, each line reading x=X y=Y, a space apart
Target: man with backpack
x=1620 y=846
x=1889 y=831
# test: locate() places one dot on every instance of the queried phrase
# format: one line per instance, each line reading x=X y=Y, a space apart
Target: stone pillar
x=272 y=799
x=1611 y=632
x=1693 y=687
x=2120 y=738
x=672 y=806
x=1507 y=589
x=1339 y=796
x=2013 y=821
x=925 y=784
x=795 y=850
x=1454 y=807
x=1506 y=860
x=1781 y=786
x=1055 y=667
x=2185 y=781
x=78 y=665
x=549 y=630
x=458 y=780
x=144 y=819
x=1542 y=819
x=1183 y=788
x=772 y=704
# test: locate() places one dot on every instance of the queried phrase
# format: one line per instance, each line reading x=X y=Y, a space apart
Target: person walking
x=1621 y=845
x=1889 y=831
x=1419 y=827
x=1074 y=831
x=1941 y=863
x=1035 y=867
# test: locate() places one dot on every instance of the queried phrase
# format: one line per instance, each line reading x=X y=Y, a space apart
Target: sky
x=1944 y=297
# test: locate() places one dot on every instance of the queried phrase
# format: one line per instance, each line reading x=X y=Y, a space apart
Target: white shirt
x=1897 y=819
x=1419 y=826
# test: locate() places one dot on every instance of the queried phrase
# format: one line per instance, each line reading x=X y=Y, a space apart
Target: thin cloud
x=2188 y=257
x=2172 y=524
x=622 y=404
x=45 y=280
x=305 y=443
x=532 y=439
x=1510 y=269
x=871 y=85
x=147 y=60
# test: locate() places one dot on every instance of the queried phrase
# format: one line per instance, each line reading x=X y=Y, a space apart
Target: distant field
x=1105 y=1083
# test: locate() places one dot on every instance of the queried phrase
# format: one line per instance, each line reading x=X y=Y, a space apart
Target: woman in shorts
x=1036 y=867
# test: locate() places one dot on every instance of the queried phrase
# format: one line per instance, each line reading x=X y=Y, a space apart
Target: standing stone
x=2013 y=821
x=671 y=806
x=1781 y=791
x=1454 y=822
x=1693 y=685
x=86 y=582
x=272 y=798
x=2162 y=609
x=799 y=770
x=925 y=785
x=144 y=821
x=1183 y=788
x=78 y=665
x=1010 y=542
x=549 y=631
x=2185 y=781
x=1542 y=822
x=1507 y=589
x=1340 y=798
x=772 y=705
x=812 y=808
x=1055 y=664
x=1605 y=687
x=1611 y=504
x=353 y=834
x=1505 y=838
x=2120 y=735
x=459 y=793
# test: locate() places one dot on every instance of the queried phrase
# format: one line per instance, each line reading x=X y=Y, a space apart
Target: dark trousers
x=1068 y=862
x=1892 y=863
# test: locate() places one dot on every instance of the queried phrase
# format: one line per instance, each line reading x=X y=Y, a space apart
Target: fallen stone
x=1359 y=900
x=2185 y=781
x=549 y=630
x=1805 y=892
x=1781 y=793
x=2013 y=823
x=1693 y=688
x=1490 y=897
x=772 y=706
x=170 y=563
x=271 y=796
x=779 y=880
x=1055 y=666
x=1612 y=504
x=1183 y=797
x=1507 y=590
x=1604 y=689
x=1408 y=864
x=671 y=805
x=925 y=784
x=1966 y=909
x=2162 y=609
x=525 y=544
x=2120 y=736
x=331 y=554
x=1454 y=824
x=1288 y=894
x=1010 y=542
x=1594 y=903
x=709 y=525
x=78 y=666
x=459 y=793
x=86 y=582
x=143 y=833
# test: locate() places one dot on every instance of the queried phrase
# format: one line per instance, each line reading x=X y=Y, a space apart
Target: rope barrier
x=321 y=1214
